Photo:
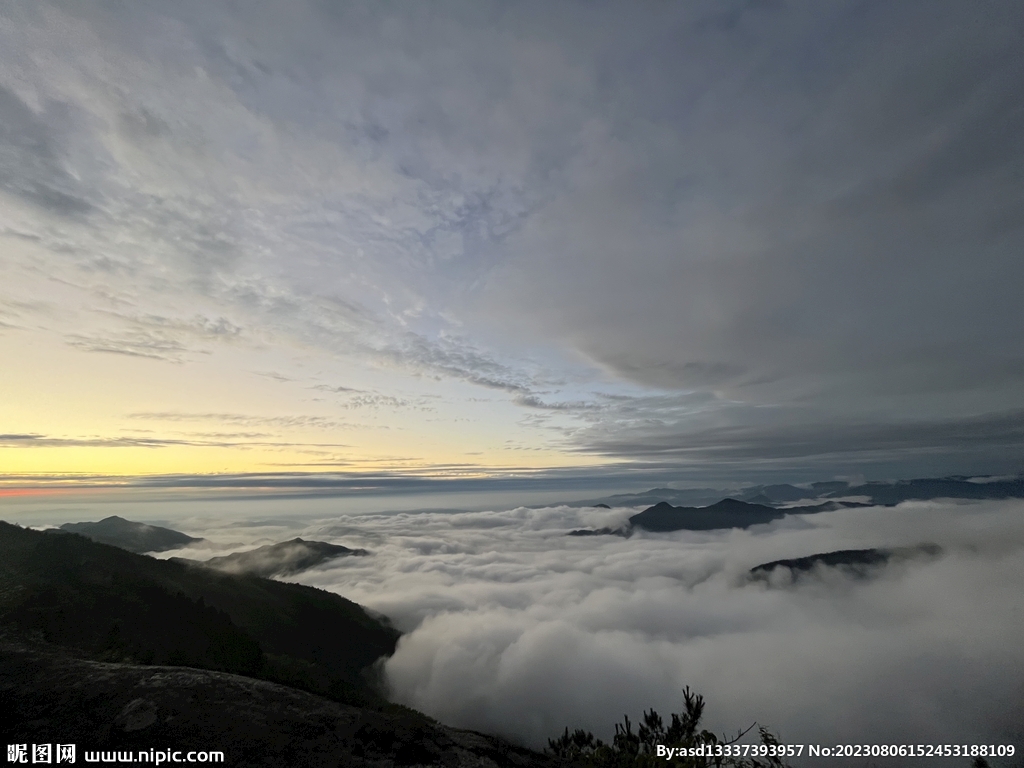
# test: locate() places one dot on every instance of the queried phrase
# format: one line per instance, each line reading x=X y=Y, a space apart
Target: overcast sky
x=726 y=239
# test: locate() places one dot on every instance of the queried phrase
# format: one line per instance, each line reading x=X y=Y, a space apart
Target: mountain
x=879 y=493
x=858 y=560
x=283 y=559
x=892 y=493
x=935 y=488
x=777 y=494
x=135 y=537
x=624 y=532
x=727 y=513
x=48 y=695
x=694 y=496
x=845 y=557
x=112 y=650
x=114 y=605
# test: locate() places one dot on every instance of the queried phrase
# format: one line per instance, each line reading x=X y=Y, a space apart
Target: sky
x=356 y=245
x=512 y=627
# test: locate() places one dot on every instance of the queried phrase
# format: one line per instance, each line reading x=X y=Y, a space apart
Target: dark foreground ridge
x=135 y=537
x=111 y=650
x=113 y=605
x=49 y=696
x=283 y=559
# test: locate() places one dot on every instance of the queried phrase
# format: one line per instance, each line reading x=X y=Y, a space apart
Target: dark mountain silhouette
x=859 y=561
x=777 y=494
x=135 y=537
x=108 y=649
x=851 y=557
x=110 y=604
x=829 y=486
x=625 y=532
x=727 y=513
x=689 y=496
x=760 y=504
x=282 y=559
x=49 y=695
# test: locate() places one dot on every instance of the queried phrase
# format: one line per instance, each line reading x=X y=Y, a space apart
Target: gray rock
x=47 y=695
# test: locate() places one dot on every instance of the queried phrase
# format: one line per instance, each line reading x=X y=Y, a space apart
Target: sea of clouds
x=512 y=627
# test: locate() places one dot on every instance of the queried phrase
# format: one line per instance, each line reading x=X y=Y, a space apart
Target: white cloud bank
x=513 y=627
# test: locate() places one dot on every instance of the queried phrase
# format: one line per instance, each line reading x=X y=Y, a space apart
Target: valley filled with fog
x=513 y=627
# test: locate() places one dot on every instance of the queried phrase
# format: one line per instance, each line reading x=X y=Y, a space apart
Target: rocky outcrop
x=47 y=695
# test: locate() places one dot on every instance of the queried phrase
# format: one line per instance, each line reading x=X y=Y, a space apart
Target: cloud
x=243 y=419
x=360 y=398
x=983 y=440
x=793 y=241
x=47 y=441
x=206 y=204
x=513 y=627
x=456 y=358
x=395 y=482
x=128 y=441
x=754 y=206
x=532 y=401
x=135 y=345
x=790 y=234
x=336 y=389
x=30 y=163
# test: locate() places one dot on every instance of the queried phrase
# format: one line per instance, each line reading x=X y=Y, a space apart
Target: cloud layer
x=513 y=627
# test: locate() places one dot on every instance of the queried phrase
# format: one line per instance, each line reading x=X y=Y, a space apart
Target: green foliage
x=698 y=748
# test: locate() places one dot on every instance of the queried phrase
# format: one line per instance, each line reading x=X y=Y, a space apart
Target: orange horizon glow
x=13 y=492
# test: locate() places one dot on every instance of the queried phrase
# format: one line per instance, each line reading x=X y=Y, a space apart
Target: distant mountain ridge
x=690 y=496
x=876 y=492
x=727 y=513
x=957 y=487
x=135 y=537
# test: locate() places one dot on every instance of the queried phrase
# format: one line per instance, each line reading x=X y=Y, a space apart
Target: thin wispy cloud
x=317 y=422
x=226 y=440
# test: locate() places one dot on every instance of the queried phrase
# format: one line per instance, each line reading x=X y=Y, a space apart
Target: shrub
x=692 y=747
